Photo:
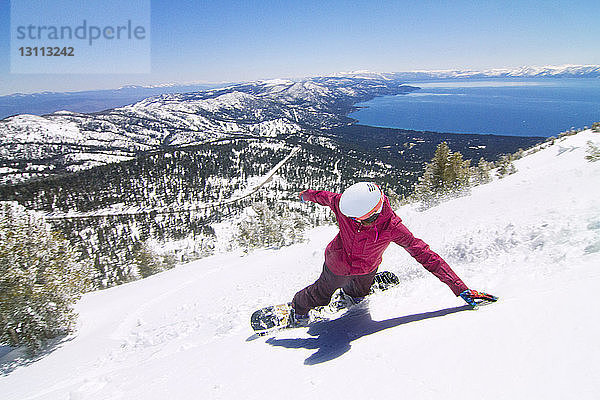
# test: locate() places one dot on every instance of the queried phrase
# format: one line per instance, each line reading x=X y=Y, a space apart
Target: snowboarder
x=367 y=225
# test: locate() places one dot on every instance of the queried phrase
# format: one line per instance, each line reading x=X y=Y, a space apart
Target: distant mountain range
x=99 y=100
x=563 y=71
x=89 y=100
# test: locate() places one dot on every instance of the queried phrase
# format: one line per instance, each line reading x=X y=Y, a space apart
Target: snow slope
x=532 y=238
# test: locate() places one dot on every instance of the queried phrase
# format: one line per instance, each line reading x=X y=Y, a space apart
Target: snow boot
x=341 y=300
x=298 y=320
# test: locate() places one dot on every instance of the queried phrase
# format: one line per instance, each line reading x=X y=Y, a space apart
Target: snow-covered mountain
x=87 y=101
x=533 y=238
x=97 y=100
x=36 y=146
x=549 y=71
x=33 y=146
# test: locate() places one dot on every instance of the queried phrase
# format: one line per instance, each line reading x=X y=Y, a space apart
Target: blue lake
x=527 y=107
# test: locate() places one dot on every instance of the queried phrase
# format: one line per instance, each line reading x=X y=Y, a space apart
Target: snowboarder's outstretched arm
x=322 y=197
x=438 y=267
x=429 y=259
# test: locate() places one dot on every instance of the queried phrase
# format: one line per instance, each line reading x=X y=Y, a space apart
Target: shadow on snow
x=332 y=338
x=12 y=358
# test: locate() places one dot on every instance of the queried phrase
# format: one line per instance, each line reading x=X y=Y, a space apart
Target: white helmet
x=362 y=200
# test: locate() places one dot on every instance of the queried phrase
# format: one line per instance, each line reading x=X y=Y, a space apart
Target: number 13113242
x=47 y=51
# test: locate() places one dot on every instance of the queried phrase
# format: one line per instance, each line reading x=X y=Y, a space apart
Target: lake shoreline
x=504 y=107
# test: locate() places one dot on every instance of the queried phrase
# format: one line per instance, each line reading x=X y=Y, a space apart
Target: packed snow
x=532 y=238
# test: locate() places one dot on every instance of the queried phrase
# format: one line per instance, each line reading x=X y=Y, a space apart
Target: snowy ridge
x=533 y=238
x=549 y=71
x=564 y=71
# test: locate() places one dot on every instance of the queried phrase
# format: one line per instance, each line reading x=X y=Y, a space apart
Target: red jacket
x=357 y=249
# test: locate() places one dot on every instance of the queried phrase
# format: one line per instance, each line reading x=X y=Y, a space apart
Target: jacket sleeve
x=432 y=262
x=321 y=197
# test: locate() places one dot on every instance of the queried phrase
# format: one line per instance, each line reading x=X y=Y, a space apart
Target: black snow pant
x=320 y=292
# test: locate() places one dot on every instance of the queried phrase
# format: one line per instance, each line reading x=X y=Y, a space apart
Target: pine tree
x=446 y=175
x=147 y=261
x=41 y=277
x=505 y=167
x=266 y=226
x=593 y=152
x=480 y=174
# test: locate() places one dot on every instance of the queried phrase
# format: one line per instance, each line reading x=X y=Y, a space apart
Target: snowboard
x=273 y=318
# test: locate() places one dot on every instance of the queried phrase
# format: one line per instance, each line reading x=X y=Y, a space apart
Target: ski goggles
x=367 y=220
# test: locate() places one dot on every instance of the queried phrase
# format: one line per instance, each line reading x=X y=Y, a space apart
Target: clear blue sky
x=233 y=41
